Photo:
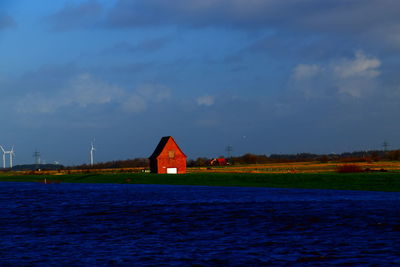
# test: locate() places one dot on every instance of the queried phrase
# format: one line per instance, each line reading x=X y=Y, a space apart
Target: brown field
x=297 y=167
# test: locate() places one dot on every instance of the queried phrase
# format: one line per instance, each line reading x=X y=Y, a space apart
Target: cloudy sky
x=264 y=76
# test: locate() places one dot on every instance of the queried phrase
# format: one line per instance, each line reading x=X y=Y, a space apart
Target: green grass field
x=350 y=181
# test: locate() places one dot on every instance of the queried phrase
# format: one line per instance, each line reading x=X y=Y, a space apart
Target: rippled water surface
x=103 y=224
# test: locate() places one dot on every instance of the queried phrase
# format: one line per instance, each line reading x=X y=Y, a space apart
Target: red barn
x=168 y=157
x=218 y=162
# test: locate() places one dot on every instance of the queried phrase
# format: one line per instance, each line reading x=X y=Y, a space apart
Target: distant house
x=218 y=162
x=168 y=157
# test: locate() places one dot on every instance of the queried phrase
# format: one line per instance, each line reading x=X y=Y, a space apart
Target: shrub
x=349 y=168
x=394 y=155
x=324 y=159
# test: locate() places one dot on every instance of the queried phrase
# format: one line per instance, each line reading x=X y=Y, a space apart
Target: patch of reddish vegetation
x=349 y=168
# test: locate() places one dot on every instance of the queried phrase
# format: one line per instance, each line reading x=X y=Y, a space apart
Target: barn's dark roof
x=161 y=146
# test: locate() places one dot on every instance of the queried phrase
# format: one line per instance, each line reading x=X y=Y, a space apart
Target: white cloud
x=355 y=77
x=84 y=91
x=147 y=93
x=36 y=102
x=134 y=103
x=361 y=66
x=304 y=71
x=205 y=100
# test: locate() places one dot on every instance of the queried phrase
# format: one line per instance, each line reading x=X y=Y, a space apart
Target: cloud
x=303 y=71
x=6 y=22
x=328 y=15
x=134 y=103
x=360 y=66
x=373 y=21
x=355 y=77
x=205 y=100
x=144 y=95
x=84 y=91
x=81 y=91
x=76 y=16
x=196 y=13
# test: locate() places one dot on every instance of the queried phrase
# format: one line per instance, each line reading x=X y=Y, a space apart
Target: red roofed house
x=168 y=157
x=218 y=162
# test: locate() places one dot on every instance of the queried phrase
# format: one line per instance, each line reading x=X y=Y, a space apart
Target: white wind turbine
x=4 y=157
x=11 y=152
x=92 y=149
x=11 y=155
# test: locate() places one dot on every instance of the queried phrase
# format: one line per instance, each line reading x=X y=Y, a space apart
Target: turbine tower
x=36 y=155
x=11 y=155
x=4 y=157
x=92 y=149
x=11 y=152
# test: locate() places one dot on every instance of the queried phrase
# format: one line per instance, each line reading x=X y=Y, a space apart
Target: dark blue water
x=103 y=224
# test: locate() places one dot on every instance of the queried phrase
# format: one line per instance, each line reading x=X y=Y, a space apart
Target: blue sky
x=264 y=76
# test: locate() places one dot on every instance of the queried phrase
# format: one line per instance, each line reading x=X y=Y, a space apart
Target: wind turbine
x=4 y=157
x=11 y=155
x=92 y=149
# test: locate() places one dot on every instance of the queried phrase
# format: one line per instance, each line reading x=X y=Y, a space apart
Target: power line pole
x=36 y=155
x=229 y=150
x=385 y=146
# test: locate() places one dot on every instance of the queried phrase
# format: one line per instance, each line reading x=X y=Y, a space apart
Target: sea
x=159 y=225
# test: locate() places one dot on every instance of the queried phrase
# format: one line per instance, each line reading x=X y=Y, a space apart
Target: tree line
x=117 y=164
x=249 y=158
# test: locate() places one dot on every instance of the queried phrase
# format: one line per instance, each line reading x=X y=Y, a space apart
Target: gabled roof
x=161 y=146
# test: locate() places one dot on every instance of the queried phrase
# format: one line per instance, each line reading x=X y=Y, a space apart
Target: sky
x=262 y=76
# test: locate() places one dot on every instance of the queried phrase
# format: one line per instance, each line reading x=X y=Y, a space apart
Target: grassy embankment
x=389 y=181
